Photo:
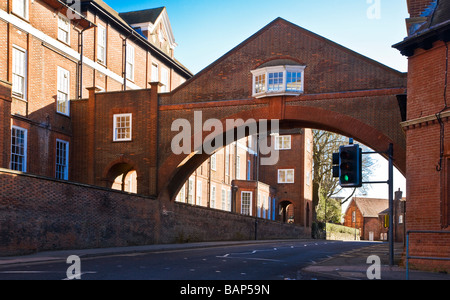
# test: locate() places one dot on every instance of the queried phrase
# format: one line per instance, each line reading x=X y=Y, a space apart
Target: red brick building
x=427 y=130
x=369 y=215
x=280 y=192
x=51 y=52
x=104 y=117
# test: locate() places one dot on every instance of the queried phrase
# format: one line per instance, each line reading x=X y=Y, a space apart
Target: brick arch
x=175 y=170
x=122 y=165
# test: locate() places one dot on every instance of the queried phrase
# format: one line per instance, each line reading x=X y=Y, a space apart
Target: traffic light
x=350 y=166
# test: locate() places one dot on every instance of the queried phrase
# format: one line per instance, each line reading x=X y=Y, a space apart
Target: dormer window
x=278 y=80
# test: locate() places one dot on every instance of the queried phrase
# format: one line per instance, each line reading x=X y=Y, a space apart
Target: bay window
x=278 y=80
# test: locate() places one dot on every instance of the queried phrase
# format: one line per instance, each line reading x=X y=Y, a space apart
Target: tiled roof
x=142 y=16
x=431 y=26
x=371 y=207
x=438 y=14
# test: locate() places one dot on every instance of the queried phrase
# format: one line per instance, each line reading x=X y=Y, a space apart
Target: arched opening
x=296 y=117
x=122 y=177
x=286 y=211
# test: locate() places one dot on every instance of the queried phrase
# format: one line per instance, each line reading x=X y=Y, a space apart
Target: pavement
x=351 y=265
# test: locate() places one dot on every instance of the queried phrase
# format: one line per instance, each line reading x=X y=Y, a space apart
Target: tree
x=324 y=185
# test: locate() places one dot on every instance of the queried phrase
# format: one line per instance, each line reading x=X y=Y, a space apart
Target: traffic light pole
x=390 y=182
x=391 y=204
x=343 y=167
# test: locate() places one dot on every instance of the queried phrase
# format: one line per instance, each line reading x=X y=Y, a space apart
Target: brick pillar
x=5 y=123
x=90 y=151
x=153 y=133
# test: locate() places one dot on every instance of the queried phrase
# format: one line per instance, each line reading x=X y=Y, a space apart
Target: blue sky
x=205 y=30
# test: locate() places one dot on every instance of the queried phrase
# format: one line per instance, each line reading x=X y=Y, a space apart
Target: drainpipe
x=80 y=62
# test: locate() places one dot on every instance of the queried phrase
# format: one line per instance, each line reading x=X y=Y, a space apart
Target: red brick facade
x=344 y=92
x=427 y=136
x=36 y=35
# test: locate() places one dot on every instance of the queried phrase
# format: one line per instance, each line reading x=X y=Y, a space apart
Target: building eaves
x=101 y=6
x=436 y=27
x=142 y=16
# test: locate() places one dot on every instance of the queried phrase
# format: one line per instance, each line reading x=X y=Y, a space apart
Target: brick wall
x=5 y=124
x=39 y=214
x=428 y=201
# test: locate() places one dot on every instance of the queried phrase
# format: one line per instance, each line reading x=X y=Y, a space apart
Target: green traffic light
x=346 y=178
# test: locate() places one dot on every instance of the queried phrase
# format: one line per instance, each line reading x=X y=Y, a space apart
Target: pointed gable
x=329 y=67
x=154 y=25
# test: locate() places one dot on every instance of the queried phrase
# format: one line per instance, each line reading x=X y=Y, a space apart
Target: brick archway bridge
x=344 y=92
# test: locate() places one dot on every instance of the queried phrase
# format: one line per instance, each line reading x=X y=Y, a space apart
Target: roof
x=434 y=26
x=142 y=16
x=439 y=14
x=115 y=16
x=370 y=207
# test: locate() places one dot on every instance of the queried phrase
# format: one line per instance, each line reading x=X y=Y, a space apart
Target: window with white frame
x=20 y=8
x=181 y=197
x=246 y=203
x=213 y=197
x=278 y=80
x=18 y=149
x=198 y=199
x=286 y=176
x=62 y=160
x=259 y=206
x=224 y=199
x=155 y=72
x=63 y=102
x=19 y=72
x=229 y=200
x=122 y=127
x=63 y=29
x=214 y=162
x=275 y=81
x=164 y=80
x=190 y=197
x=101 y=44
x=130 y=63
x=283 y=142
x=260 y=83
x=227 y=161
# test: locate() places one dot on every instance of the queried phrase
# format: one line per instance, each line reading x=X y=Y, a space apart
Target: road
x=262 y=261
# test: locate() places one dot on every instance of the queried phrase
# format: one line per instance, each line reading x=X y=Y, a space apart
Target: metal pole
x=391 y=205
x=407 y=256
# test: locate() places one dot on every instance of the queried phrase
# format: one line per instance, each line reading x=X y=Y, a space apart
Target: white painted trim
x=251 y=202
x=66 y=143
x=115 y=138
x=24 y=26
x=281 y=69
x=25 y=147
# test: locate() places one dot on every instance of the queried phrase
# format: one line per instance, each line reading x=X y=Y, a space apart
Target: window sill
x=277 y=93
x=18 y=98
x=122 y=141
x=65 y=43
x=21 y=17
x=63 y=114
